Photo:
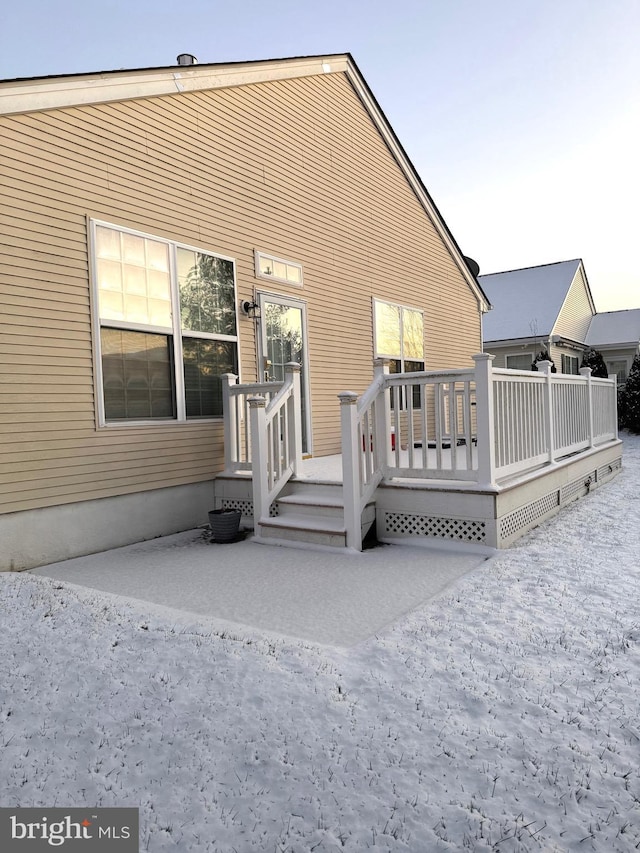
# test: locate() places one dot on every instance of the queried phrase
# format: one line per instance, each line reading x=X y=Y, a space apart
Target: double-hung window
x=569 y=364
x=399 y=336
x=168 y=326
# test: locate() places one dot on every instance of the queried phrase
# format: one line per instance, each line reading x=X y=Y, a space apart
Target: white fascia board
x=53 y=93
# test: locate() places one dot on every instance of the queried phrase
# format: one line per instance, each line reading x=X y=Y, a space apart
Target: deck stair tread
x=310 y=499
x=306 y=522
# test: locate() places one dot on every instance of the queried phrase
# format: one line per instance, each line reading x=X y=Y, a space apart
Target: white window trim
x=174 y=330
x=566 y=355
x=257 y=256
x=519 y=354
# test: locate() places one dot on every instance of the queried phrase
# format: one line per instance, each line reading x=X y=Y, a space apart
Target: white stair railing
x=235 y=407
x=276 y=442
x=366 y=443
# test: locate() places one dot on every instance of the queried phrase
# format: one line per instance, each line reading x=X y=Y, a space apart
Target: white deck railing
x=539 y=418
x=479 y=425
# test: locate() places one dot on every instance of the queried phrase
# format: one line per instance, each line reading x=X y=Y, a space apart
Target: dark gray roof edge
x=616 y=311
x=532 y=267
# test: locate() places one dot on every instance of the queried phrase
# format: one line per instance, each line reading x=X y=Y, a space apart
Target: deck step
x=311 y=505
x=306 y=528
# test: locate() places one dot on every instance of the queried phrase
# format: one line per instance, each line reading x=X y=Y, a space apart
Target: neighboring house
x=550 y=307
x=545 y=307
x=162 y=227
x=616 y=334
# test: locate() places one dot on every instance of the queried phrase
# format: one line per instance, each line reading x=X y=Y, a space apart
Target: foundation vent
x=607 y=470
x=576 y=489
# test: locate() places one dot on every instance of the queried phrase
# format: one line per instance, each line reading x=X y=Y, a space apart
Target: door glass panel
x=284 y=337
x=283 y=341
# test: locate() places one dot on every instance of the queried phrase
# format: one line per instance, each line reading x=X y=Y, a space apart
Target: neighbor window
x=268 y=266
x=570 y=364
x=519 y=362
x=620 y=370
x=167 y=316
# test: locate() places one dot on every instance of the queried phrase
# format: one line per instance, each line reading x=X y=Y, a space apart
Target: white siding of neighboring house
x=576 y=313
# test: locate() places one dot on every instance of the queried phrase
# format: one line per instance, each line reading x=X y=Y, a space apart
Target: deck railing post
x=544 y=367
x=350 y=468
x=383 y=416
x=484 y=418
x=614 y=380
x=292 y=374
x=258 y=428
x=230 y=418
x=586 y=372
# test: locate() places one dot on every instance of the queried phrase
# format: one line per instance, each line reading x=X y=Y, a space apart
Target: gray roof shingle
x=614 y=327
x=526 y=302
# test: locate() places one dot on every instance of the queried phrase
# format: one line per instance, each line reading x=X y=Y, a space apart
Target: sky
x=522 y=118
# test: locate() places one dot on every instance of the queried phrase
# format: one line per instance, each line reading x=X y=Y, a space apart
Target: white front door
x=283 y=338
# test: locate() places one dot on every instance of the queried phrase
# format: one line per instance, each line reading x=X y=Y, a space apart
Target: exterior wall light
x=250 y=309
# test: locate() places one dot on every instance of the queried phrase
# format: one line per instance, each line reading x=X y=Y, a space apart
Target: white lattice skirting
x=491 y=519
x=246 y=507
x=404 y=524
x=508 y=527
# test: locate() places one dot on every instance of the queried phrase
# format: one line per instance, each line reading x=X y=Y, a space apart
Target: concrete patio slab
x=333 y=598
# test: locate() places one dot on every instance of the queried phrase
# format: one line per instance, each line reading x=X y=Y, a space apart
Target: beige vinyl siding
x=576 y=313
x=294 y=168
x=557 y=353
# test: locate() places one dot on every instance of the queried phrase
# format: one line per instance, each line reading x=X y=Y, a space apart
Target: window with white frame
x=399 y=336
x=519 y=361
x=570 y=364
x=168 y=326
x=278 y=269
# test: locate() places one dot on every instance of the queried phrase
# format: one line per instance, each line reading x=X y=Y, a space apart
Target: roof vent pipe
x=186 y=59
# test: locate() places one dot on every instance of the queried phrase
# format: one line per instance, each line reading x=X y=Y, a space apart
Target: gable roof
x=526 y=302
x=43 y=93
x=615 y=327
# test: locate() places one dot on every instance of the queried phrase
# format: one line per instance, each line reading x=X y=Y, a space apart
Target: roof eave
x=44 y=93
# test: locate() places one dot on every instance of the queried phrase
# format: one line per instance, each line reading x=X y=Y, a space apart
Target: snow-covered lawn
x=503 y=715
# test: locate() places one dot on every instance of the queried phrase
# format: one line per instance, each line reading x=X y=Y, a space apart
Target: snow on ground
x=503 y=715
